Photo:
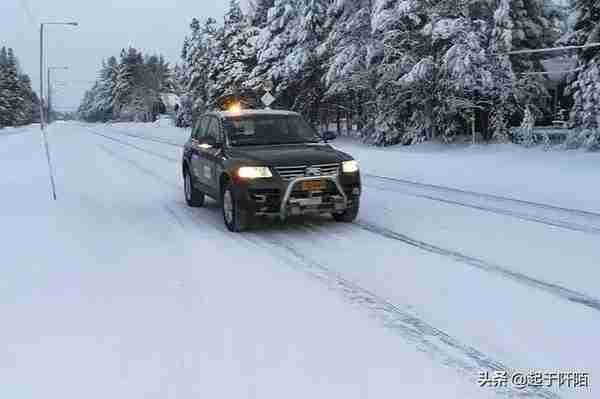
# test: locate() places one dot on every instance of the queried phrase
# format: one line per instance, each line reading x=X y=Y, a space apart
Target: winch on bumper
x=291 y=205
x=289 y=199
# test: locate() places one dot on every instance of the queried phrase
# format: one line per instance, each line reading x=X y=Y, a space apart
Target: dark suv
x=268 y=163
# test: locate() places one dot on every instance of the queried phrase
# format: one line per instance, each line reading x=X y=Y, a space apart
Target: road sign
x=268 y=99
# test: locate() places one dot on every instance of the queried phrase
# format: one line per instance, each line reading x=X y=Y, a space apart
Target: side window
x=213 y=130
x=200 y=128
x=220 y=137
x=195 y=129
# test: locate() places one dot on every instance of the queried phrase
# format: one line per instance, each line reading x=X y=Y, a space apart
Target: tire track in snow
x=554 y=289
x=433 y=341
x=523 y=216
x=491 y=196
x=165 y=182
x=165 y=205
x=125 y=143
x=452 y=353
x=143 y=137
x=591 y=220
x=584 y=228
x=139 y=167
x=577 y=212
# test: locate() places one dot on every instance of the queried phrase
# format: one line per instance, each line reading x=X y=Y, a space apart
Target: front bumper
x=283 y=198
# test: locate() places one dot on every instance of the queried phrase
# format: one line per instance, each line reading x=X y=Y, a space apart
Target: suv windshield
x=269 y=130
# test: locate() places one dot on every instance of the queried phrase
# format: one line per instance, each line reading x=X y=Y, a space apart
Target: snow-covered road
x=119 y=290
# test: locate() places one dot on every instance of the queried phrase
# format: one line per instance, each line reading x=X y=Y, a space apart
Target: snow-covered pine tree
x=237 y=55
x=259 y=11
x=29 y=103
x=199 y=55
x=503 y=100
x=526 y=135
x=107 y=82
x=441 y=62
x=527 y=24
x=16 y=97
x=434 y=70
x=124 y=81
x=586 y=88
x=524 y=24
x=276 y=40
x=351 y=42
x=4 y=94
x=354 y=47
x=90 y=108
x=587 y=85
x=128 y=89
x=307 y=61
x=183 y=115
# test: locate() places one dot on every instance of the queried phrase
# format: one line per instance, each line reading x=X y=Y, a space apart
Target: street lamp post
x=48 y=97
x=42 y=127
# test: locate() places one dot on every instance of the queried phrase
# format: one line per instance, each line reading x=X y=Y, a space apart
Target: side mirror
x=329 y=135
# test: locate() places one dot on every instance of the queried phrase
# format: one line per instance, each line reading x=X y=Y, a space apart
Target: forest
x=128 y=88
x=397 y=71
x=19 y=104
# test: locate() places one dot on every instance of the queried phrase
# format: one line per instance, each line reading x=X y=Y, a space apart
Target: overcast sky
x=106 y=26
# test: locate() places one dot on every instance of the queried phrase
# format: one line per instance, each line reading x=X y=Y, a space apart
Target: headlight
x=254 y=172
x=350 y=166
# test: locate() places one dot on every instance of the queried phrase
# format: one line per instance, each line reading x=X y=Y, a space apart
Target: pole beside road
x=49 y=103
x=41 y=95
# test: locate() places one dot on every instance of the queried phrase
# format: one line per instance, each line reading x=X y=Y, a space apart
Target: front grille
x=294 y=172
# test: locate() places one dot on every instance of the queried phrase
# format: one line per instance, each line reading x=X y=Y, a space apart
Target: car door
x=196 y=152
x=211 y=154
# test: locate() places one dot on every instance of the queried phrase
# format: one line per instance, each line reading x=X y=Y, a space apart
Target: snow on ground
x=561 y=178
x=118 y=290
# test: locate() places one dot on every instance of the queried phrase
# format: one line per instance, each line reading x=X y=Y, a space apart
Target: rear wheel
x=349 y=215
x=193 y=197
x=236 y=219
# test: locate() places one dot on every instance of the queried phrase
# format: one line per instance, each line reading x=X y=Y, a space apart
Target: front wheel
x=236 y=219
x=193 y=197
x=349 y=215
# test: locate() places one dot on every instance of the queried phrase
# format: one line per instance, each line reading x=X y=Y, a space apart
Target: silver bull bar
x=292 y=184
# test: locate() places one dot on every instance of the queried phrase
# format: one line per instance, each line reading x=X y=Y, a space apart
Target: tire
x=236 y=219
x=350 y=214
x=193 y=197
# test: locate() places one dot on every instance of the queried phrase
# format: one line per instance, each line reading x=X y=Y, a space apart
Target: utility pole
x=42 y=126
x=49 y=106
x=42 y=77
x=49 y=116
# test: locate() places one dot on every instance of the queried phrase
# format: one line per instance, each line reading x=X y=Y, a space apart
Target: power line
x=67 y=82
x=550 y=49
x=552 y=72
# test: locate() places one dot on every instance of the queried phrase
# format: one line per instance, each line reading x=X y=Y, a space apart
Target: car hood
x=290 y=155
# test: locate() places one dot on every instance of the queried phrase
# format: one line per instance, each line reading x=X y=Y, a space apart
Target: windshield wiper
x=238 y=144
x=276 y=143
